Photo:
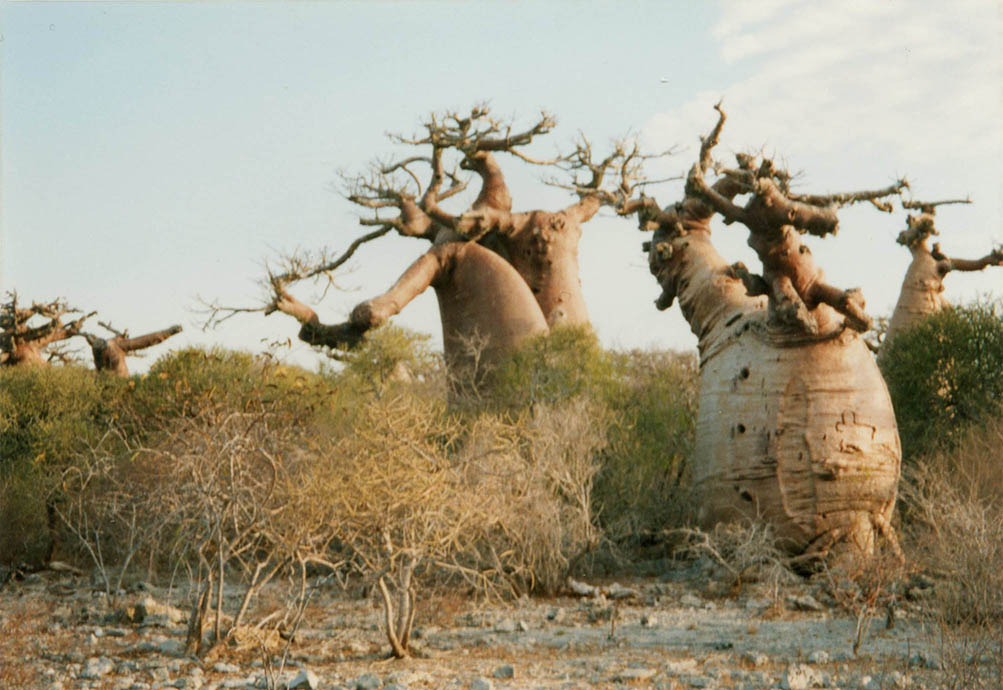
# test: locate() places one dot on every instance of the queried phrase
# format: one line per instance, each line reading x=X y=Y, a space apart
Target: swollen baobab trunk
x=922 y=292
x=485 y=308
x=795 y=425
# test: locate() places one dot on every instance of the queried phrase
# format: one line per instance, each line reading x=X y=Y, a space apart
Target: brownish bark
x=109 y=354
x=485 y=308
x=776 y=220
x=923 y=287
x=499 y=276
x=541 y=245
x=795 y=425
x=23 y=344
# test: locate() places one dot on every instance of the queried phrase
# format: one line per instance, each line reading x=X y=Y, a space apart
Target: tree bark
x=794 y=425
x=110 y=354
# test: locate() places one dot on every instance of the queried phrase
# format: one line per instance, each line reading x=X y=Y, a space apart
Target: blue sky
x=152 y=152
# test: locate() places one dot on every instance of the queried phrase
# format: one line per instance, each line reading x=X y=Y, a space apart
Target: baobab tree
x=110 y=353
x=499 y=276
x=26 y=332
x=795 y=425
x=922 y=292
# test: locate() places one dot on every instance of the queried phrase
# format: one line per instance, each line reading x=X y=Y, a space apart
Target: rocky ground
x=60 y=632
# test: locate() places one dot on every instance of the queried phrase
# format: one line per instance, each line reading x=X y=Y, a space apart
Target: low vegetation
x=219 y=468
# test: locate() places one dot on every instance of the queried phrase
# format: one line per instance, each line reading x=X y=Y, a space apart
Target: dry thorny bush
x=746 y=550
x=955 y=510
x=238 y=498
x=213 y=493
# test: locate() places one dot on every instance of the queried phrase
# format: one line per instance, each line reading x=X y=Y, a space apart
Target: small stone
x=649 y=620
x=819 y=656
x=481 y=683
x=681 y=666
x=867 y=683
x=556 y=615
x=691 y=601
x=171 y=647
x=366 y=681
x=505 y=626
x=237 y=683
x=304 y=679
x=114 y=632
x=523 y=626
x=899 y=679
x=506 y=671
x=699 y=682
x=757 y=659
x=222 y=667
x=160 y=673
x=801 y=677
x=96 y=667
x=804 y=602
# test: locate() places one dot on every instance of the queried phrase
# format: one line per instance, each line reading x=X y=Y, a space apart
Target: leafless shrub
x=954 y=507
x=505 y=505
x=747 y=550
x=218 y=492
x=865 y=590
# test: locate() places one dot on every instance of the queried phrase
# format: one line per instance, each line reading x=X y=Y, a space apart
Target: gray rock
x=899 y=679
x=304 y=679
x=506 y=671
x=556 y=615
x=804 y=602
x=366 y=681
x=171 y=647
x=801 y=677
x=819 y=656
x=699 y=682
x=394 y=686
x=506 y=625
x=147 y=608
x=221 y=667
x=189 y=683
x=757 y=659
x=681 y=666
x=238 y=682
x=649 y=620
x=160 y=673
x=924 y=660
x=634 y=675
x=481 y=683
x=96 y=667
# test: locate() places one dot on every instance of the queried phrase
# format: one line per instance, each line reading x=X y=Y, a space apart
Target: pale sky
x=155 y=152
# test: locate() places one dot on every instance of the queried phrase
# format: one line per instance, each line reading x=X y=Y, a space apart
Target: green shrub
x=558 y=366
x=944 y=375
x=47 y=415
x=651 y=397
x=643 y=484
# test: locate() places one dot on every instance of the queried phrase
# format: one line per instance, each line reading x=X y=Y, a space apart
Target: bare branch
x=930 y=206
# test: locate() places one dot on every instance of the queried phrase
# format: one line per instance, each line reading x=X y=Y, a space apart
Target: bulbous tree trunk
x=795 y=425
x=922 y=292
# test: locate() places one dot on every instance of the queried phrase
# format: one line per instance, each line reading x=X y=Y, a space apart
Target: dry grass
x=953 y=503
